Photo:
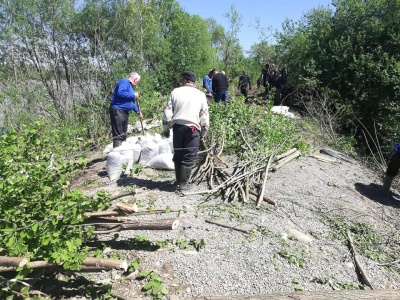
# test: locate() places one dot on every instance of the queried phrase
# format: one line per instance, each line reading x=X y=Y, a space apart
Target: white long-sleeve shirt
x=187 y=106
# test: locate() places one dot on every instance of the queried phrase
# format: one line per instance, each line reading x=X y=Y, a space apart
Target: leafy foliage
x=351 y=52
x=262 y=130
x=38 y=209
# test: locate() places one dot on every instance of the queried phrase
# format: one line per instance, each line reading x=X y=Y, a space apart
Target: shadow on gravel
x=373 y=192
x=70 y=285
x=165 y=186
x=130 y=244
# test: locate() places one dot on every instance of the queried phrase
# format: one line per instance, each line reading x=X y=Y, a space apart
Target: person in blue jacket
x=392 y=169
x=123 y=100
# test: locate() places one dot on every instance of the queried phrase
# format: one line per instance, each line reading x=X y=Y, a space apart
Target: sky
x=269 y=12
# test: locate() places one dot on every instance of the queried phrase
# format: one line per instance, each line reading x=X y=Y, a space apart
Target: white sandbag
x=137 y=149
x=157 y=138
x=149 y=150
x=280 y=109
x=162 y=162
x=115 y=162
x=132 y=139
x=125 y=146
x=108 y=148
x=164 y=146
x=145 y=139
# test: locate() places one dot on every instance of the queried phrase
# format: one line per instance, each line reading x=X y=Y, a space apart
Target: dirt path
x=297 y=245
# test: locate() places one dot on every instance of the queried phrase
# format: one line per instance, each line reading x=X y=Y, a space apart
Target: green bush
x=244 y=126
x=37 y=206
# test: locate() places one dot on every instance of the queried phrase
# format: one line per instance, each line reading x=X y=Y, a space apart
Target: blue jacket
x=124 y=96
x=397 y=148
x=207 y=84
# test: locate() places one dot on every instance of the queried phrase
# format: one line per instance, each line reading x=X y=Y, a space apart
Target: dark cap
x=188 y=75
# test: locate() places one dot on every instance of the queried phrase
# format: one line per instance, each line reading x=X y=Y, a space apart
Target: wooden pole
x=285 y=160
x=140 y=119
x=227 y=226
x=6 y=261
x=89 y=262
x=278 y=157
x=127 y=208
x=260 y=197
x=316 y=295
x=113 y=226
x=357 y=262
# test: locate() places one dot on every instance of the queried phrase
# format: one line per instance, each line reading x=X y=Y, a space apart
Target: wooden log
x=322 y=158
x=123 y=194
x=260 y=197
x=315 y=295
x=106 y=263
x=127 y=208
x=287 y=153
x=103 y=213
x=6 y=261
x=265 y=198
x=89 y=262
x=357 y=262
x=166 y=224
x=227 y=226
x=285 y=160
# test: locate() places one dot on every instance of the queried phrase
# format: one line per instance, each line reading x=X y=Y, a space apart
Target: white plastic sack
x=132 y=139
x=145 y=139
x=164 y=146
x=149 y=150
x=157 y=138
x=162 y=162
x=115 y=161
x=284 y=110
x=137 y=149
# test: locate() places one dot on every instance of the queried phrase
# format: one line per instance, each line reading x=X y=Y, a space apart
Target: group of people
x=187 y=114
x=216 y=85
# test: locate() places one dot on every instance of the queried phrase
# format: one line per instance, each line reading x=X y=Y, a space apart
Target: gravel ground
x=267 y=260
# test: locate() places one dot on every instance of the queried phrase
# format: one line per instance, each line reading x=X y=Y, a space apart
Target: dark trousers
x=394 y=165
x=186 y=144
x=221 y=96
x=119 y=123
x=244 y=89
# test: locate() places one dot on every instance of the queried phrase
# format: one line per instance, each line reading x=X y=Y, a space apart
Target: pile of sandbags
x=151 y=151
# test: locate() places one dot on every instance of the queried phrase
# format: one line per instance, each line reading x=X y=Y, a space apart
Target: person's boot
x=117 y=143
x=387 y=183
x=177 y=174
x=184 y=178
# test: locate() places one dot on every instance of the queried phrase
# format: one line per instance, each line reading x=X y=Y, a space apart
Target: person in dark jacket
x=392 y=170
x=244 y=84
x=123 y=100
x=220 y=87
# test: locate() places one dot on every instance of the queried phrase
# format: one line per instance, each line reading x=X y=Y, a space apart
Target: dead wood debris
x=236 y=182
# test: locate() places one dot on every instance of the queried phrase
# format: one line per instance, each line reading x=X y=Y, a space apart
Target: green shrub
x=38 y=208
x=244 y=126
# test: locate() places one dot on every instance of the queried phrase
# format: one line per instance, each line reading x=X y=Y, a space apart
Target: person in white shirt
x=187 y=114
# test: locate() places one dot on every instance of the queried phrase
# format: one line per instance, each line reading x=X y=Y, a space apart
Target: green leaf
x=144 y=273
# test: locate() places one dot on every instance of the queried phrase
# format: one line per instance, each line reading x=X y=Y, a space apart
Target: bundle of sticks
x=236 y=182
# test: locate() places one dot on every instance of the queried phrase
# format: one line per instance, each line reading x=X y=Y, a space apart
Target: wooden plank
x=316 y=295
